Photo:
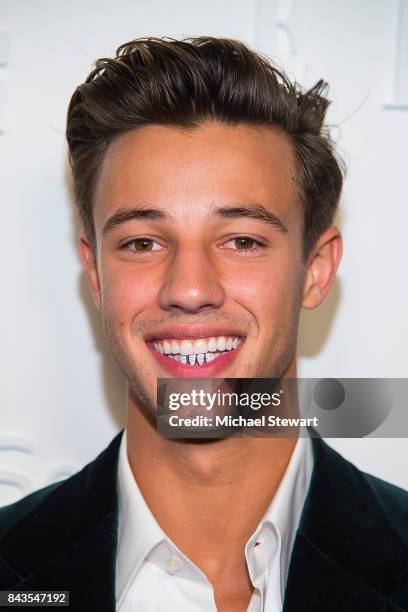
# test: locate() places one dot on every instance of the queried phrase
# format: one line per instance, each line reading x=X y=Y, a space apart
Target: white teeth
x=186 y=347
x=158 y=347
x=212 y=345
x=200 y=346
x=221 y=343
x=197 y=360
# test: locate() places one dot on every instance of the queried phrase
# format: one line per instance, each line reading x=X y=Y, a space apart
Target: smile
x=196 y=352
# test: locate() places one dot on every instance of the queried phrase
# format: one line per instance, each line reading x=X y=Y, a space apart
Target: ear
x=322 y=267
x=88 y=258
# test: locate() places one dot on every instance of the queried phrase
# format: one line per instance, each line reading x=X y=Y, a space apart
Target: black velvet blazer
x=350 y=551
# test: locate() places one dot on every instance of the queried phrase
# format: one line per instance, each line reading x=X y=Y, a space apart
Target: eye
x=243 y=243
x=141 y=245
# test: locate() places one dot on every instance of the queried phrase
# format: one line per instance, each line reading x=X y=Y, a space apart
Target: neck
x=206 y=496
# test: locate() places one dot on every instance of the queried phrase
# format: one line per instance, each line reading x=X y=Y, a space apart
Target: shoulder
x=12 y=514
x=65 y=534
x=338 y=475
x=359 y=504
x=365 y=510
x=393 y=500
x=83 y=496
x=353 y=531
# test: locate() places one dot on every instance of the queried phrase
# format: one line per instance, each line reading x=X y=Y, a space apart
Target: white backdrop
x=61 y=398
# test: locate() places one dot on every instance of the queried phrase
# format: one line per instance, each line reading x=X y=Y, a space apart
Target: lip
x=192 y=332
x=208 y=370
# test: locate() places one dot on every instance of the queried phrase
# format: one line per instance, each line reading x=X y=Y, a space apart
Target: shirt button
x=173 y=565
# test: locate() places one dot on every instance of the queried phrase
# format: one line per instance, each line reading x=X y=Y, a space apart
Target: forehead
x=189 y=171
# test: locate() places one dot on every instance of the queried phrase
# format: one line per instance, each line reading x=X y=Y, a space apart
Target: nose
x=191 y=283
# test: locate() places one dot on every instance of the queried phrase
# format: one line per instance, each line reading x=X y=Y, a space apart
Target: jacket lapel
x=73 y=537
x=347 y=555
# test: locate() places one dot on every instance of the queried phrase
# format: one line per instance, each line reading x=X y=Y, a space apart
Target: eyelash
x=258 y=244
x=126 y=246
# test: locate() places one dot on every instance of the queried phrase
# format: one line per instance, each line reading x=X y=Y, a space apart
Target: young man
x=207 y=188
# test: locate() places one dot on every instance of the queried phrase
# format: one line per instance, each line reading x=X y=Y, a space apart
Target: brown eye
x=243 y=243
x=143 y=244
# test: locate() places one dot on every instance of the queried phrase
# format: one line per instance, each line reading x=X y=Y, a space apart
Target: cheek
x=269 y=292
x=125 y=292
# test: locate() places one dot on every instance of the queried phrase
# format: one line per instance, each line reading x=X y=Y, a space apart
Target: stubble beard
x=135 y=375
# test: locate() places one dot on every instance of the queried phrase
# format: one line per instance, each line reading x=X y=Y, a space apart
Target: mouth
x=196 y=356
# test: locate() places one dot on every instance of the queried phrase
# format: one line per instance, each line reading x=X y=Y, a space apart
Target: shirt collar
x=139 y=532
x=280 y=523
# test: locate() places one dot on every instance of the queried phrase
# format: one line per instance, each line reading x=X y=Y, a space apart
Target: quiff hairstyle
x=182 y=83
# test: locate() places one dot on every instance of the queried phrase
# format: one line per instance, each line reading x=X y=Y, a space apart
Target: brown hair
x=182 y=83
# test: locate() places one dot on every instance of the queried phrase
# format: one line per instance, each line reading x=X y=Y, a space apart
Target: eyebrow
x=252 y=211
x=134 y=214
x=236 y=211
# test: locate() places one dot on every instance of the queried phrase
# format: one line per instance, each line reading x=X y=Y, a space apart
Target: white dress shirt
x=153 y=575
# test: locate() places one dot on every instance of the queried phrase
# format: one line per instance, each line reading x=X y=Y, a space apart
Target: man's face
x=198 y=269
